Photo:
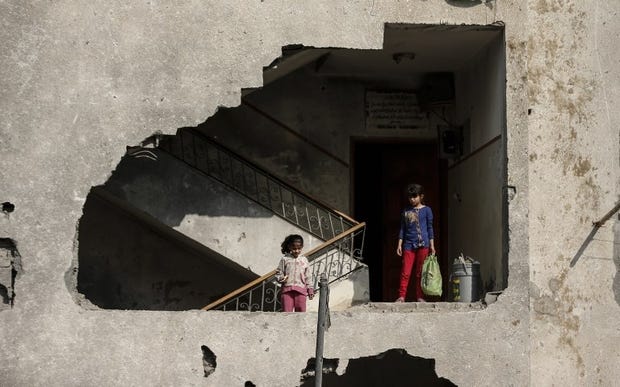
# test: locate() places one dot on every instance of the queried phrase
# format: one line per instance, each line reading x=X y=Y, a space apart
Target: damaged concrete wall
x=82 y=81
x=574 y=170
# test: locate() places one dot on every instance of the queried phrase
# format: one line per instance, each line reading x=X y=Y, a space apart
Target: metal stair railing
x=335 y=258
x=224 y=165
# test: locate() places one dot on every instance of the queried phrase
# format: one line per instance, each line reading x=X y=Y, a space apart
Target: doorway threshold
x=406 y=307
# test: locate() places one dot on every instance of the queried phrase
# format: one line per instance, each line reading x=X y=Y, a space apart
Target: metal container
x=465 y=280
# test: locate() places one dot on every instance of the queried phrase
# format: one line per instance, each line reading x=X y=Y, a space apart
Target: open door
x=382 y=171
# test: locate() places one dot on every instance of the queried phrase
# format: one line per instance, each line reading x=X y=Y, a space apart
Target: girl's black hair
x=414 y=190
x=289 y=240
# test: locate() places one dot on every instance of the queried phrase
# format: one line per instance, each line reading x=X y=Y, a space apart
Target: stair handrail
x=267 y=277
x=271 y=176
x=321 y=218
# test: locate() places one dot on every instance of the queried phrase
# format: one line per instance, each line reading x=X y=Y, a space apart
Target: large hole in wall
x=394 y=367
x=348 y=127
x=10 y=268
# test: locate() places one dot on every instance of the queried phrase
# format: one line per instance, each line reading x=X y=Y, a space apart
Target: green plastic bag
x=431 y=276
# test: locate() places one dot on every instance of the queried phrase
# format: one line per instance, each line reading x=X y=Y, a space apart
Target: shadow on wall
x=169 y=190
x=615 y=249
x=128 y=260
x=277 y=148
x=394 y=367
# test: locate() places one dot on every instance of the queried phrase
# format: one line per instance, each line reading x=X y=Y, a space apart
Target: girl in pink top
x=295 y=275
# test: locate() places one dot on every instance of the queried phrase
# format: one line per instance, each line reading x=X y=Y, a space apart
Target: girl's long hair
x=289 y=240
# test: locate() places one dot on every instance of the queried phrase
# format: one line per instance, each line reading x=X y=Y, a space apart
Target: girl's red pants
x=412 y=259
x=293 y=301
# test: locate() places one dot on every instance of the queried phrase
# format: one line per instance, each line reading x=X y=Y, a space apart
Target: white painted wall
x=205 y=210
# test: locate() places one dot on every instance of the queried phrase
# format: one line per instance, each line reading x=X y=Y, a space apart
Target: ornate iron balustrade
x=336 y=258
x=202 y=153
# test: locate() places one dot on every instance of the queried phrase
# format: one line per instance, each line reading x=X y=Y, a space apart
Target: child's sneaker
x=400 y=299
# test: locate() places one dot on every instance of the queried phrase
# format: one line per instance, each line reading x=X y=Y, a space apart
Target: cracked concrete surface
x=81 y=81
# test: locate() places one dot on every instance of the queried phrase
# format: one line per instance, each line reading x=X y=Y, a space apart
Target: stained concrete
x=82 y=81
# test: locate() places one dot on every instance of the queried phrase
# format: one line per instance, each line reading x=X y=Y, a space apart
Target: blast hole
x=394 y=367
x=208 y=360
x=8 y=207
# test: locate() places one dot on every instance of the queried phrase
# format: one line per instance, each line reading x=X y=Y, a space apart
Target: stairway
x=224 y=165
x=202 y=208
x=341 y=253
x=337 y=258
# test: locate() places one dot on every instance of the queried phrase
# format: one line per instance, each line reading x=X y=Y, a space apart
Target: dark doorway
x=381 y=171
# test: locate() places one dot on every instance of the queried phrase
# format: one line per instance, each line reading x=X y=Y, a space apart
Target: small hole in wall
x=8 y=207
x=208 y=360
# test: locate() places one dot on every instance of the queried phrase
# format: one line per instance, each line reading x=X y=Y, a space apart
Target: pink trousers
x=412 y=259
x=293 y=301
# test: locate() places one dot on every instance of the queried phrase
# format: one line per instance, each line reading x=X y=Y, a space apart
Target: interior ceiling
x=407 y=49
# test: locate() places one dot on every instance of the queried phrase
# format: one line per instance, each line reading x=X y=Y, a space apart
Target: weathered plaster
x=81 y=81
x=573 y=181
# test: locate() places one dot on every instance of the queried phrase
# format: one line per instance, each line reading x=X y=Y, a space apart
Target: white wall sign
x=393 y=110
